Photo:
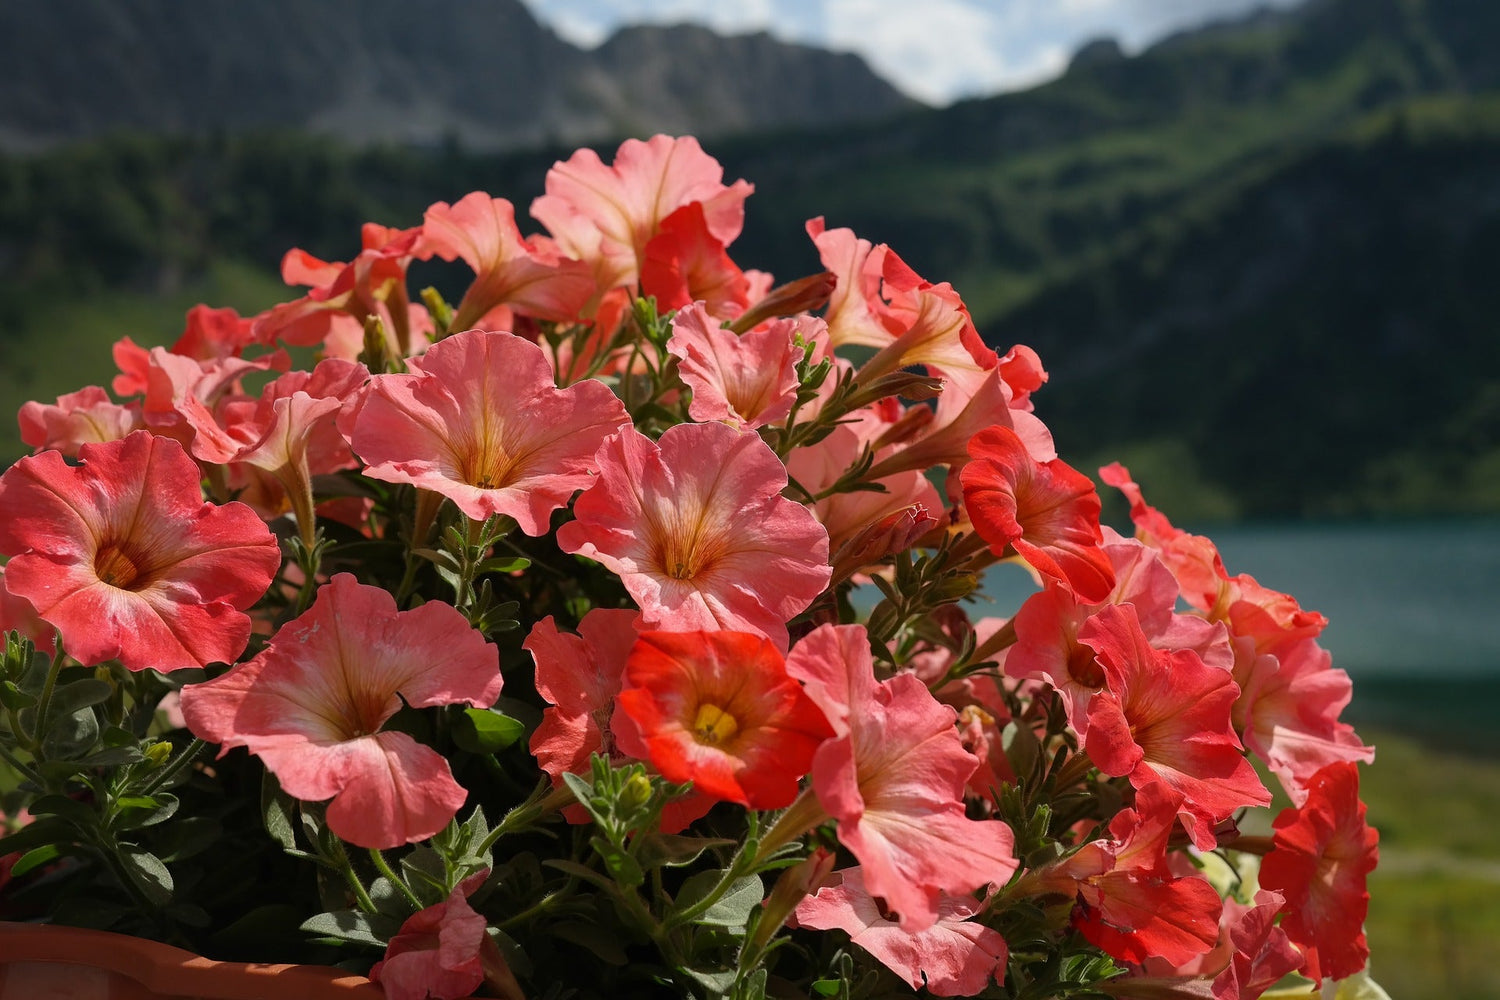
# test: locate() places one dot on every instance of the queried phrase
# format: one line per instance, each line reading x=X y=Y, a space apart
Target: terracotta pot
x=46 y=962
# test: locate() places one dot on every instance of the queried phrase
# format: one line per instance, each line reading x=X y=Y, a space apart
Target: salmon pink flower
x=1047 y=511
x=87 y=416
x=718 y=709
x=443 y=953
x=697 y=529
x=311 y=705
x=955 y=957
x=579 y=676
x=747 y=379
x=531 y=277
x=124 y=557
x=607 y=215
x=1322 y=856
x=482 y=423
x=893 y=778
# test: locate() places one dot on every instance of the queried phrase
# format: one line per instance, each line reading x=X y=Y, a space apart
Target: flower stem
x=384 y=867
x=175 y=767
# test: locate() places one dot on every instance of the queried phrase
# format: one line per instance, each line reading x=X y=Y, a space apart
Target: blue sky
x=936 y=50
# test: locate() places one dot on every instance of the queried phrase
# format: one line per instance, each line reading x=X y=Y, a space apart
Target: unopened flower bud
x=158 y=753
x=635 y=793
x=896 y=532
x=802 y=295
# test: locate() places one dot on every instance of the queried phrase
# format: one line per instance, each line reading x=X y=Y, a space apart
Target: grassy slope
x=65 y=346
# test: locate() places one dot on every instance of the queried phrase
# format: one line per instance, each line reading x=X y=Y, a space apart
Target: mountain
x=1257 y=259
x=483 y=73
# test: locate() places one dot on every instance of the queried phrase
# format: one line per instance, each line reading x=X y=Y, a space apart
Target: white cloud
x=937 y=50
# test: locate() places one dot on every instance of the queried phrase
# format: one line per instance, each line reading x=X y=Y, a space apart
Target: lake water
x=1402 y=599
x=1413 y=615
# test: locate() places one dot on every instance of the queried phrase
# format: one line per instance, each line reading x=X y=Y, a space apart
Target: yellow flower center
x=714 y=725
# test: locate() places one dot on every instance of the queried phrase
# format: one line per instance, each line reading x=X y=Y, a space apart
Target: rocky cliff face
x=482 y=72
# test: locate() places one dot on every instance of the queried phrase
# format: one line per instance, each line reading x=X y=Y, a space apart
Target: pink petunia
x=482 y=423
x=444 y=953
x=718 y=709
x=893 y=778
x=124 y=557
x=683 y=263
x=955 y=957
x=532 y=278
x=746 y=379
x=87 y=416
x=606 y=215
x=311 y=705
x=697 y=529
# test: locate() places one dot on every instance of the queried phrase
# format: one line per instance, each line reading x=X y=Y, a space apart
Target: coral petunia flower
x=483 y=424
x=718 y=709
x=1164 y=716
x=1321 y=861
x=607 y=215
x=955 y=957
x=746 y=379
x=697 y=529
x=311 y=705
x=1047 y=511
x=683 y=263
x=124 y=557
x=87 y=416
x=531 y=278
x=443 y=953
x=893 y=778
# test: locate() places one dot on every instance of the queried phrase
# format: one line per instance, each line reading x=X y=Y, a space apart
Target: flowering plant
x=515 y=646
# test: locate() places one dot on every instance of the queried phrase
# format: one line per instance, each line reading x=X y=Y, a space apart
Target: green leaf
x=188 y=836
x=503 y=564
x=353 y=926
x=35 y=859
x=603 y=942
x=70 y=736
x=148 y=873
x=717 y=982
x=137 y=811
x=69 y=809
x=46 y=830
x=113 y=757
x=90 y=691
x=485 y=731
x=732 y=909
x=13 y=698
x=656 y=849
x=279 y=811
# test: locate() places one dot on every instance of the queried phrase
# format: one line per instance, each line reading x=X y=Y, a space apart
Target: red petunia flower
x=1323 y=855
x=718 y=709
x=1047 y=511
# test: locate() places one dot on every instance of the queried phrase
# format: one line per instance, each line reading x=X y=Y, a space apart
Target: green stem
x=44 y=704
x=541 y=803
x=23 y=770
x=382 y=866
x=355 y=885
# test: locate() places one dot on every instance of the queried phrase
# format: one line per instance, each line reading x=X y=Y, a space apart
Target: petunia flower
x=311 y=705
x=532 y=278
x=697 y=530
x=605 y=215
x=482 y=423
x=746 y=379
x=1322 y=856
x=444 y=953
x=718 y=709
x=893 y=778
x=684 y=263
x=1047 y=512
x=955 y=957
x=87 y=416
x=1164 y=717
x=124 y=557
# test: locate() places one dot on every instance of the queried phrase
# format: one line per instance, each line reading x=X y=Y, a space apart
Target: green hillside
x=1255 y=257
